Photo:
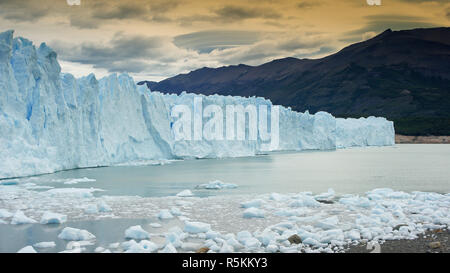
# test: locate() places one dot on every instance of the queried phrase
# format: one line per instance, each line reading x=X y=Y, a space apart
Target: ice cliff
x=51 y=121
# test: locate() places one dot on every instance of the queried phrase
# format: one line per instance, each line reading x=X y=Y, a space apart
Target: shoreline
x=402 y=139
x=432 y=241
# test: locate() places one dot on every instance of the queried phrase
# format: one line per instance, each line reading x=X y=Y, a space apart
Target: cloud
x=379 y=23
x=88 y=14
x=237 y=13
x=207 y=41
x=162 y=56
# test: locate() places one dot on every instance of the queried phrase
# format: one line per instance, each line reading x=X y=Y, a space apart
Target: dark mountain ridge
x=402 y=75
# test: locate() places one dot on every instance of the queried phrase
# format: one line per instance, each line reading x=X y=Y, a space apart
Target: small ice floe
x=137 y=233
x=328 y=223
x=155 y=225
x=19 y=218
x=143 y=246
x=355 y=201
x=176 y=211
x=5 y=214
x=278 y=197
x=304 y=200
x=45 y=245
x=253 y=213
x=103 y=206
x=326 y=196
x=169 y=248
x=216 y=185
x=78 y=180
x=256 y=203
x=91 y=209
x=74 y=234
x=196 y=227
x=53 y=218
x=164 y=214
x=73 y=192
x=185 y=193
x=27 y=249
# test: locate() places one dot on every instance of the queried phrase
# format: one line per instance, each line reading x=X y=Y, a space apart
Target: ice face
x=52 y=121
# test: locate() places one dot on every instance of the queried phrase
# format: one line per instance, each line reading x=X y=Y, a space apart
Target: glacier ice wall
x=51 y=121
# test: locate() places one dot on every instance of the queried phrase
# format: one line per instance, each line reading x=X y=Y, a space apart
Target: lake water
x=402 y=167
x=406 y=167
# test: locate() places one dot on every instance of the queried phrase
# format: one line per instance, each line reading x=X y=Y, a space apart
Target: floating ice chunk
x=103 y=207
x=99 y=249
x=326 y=195
x=155 y=225
x=256 y=203
x=242 y=236
x=217 y=185
x=234 y=243
x=169 y=248
x=114 y=245
x=226 y=248
x=78 y=180
x=164 y=214
x=185 y=193
x=19 y=218
x=196 y=227
x=5 y=214
x=252 y=243
x=175 y=211
x=53 y=218
x=74 y=192
x=328 y=223
x=91 y=209
x=2 y=222
x=136 y=232
x=356 y=201
x=45 y=245
x=253 y=213
x=332 y=235
x=353 y=235
x=78 y=244
x=278 y=197
x=190 y=246
x=74 y=234
x=272 y=248
x=149 y=246
x=304 y=200
x=27 y=249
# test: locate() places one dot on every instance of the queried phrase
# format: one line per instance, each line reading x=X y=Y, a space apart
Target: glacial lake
x=405 y=167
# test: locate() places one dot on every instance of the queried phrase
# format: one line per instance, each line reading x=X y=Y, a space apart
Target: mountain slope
x=402 y=75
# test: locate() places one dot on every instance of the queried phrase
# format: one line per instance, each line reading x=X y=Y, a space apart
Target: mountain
x=402 y=75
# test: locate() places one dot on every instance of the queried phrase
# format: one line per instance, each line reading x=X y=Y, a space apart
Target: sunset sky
x=156 y=39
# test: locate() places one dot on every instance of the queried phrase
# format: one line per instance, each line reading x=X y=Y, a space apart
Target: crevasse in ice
x=51 y=121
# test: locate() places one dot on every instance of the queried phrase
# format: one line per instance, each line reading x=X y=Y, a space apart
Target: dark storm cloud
x=90 y=14
x=233 y=13
x=123 y=53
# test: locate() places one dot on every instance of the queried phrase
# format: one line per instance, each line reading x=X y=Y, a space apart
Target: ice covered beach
x=85 y=211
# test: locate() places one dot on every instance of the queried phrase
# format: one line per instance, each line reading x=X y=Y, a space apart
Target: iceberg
x=52 y=121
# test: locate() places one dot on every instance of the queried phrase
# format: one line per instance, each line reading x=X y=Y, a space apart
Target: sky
x=156 y=39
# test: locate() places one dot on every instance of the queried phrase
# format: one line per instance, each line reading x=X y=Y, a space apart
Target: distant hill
x=402 y=75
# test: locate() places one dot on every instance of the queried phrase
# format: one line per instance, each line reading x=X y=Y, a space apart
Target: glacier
x=51 y=121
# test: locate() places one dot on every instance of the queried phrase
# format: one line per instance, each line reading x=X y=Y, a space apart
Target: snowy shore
x=324 y=222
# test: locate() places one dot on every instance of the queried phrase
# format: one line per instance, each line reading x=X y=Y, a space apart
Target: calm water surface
x=407 y=167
